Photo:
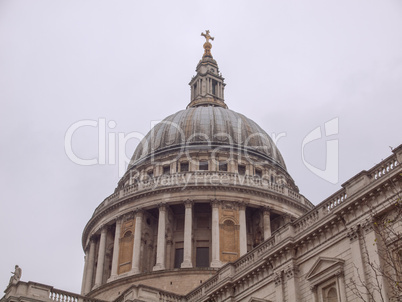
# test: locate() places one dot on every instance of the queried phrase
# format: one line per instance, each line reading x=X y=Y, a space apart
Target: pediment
x=324 y=266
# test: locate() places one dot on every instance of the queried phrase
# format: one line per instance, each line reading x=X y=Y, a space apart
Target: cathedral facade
x=207 y=211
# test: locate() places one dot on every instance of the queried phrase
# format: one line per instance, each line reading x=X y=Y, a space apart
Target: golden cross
x=207 y=36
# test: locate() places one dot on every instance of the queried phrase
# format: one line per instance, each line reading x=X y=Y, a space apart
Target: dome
x=208 y=127
x=204 y=186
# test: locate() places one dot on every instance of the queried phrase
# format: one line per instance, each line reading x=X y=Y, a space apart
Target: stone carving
x=16 y=275
x=353 y=233
x=291 y=271
x=278 y=278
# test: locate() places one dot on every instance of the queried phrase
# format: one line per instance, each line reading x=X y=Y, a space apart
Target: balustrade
x=199 y=178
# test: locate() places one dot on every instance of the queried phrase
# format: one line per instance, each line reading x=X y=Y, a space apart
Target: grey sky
x=290 y=66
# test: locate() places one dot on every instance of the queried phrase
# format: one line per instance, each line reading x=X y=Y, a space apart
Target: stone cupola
x=207 y=86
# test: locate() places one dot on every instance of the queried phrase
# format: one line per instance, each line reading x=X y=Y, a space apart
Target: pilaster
x=278 y=279
x=291 y=272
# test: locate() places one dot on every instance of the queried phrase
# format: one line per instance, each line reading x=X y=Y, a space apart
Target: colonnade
x=94 y=268
x=199 y=90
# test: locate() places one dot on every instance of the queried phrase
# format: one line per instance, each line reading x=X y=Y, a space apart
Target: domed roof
x=207 y=127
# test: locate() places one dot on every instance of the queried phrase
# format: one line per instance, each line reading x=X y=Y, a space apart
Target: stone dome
x=204 y=186
x=207 y=127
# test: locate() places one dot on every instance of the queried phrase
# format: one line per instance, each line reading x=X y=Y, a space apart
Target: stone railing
x=305 y=221
x=62 y=296
x=244 y=261
x=361 y=181
x=58 y=295
x=201 y=178
x=383 y=168
x=42 y=292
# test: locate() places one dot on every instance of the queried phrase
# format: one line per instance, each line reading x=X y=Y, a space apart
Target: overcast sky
x=291 y=66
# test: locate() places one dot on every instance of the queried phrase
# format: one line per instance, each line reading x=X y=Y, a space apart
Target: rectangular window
x=166 y=169
x=241 y=169
x=184 y=167
x=202 y=257
x=223 y=166
x=214 y=87
x=178 y=258
x=258 y=172
x=203 y=165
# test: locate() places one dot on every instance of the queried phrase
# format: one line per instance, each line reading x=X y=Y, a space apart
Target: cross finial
x=207 y=36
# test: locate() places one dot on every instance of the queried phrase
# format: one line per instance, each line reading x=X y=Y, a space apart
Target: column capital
x=278 y=278
x=215 y=203
x=368 y=225
x=162 y=206
x=139 y=213
x=188 y=203
x=266 y=209
x=353 y=233
x=127 y=216
x=117 y=219
x=241 y=205
x=291 y=271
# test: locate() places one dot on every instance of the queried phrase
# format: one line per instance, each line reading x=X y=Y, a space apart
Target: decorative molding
x=291 y=271
x=277 y=278
x=323 y=269
x=353 y=233
x=368 y=225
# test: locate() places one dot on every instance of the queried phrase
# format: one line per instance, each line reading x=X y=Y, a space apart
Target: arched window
x=332 y=295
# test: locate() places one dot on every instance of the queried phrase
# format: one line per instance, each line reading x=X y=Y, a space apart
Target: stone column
x=160 y=249
x=101 y=257
x=137 y=242
x=169 y=247
x=188 y=233
x=90 y=267
x=116 y=247
x=243 y=230
x=85 y=272
x=267 y=224
x=215 y=235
